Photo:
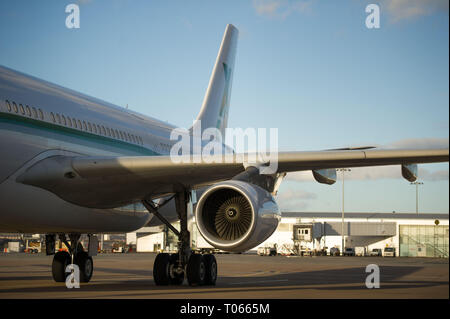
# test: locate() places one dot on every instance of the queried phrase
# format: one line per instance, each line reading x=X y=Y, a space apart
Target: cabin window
x=8 y=106
x=108 y=130
x=41 y=114
x=35 y=115
x=53 y=117
x=58 y=118
x=79 y=125
x=74 y=123
x=15 y=107
x=63 y=119
x=84 y=125
x=95 y=128
x=69 y=121
x=21 y=109
x=28 y=110
x=103 y=130
x=90 y=126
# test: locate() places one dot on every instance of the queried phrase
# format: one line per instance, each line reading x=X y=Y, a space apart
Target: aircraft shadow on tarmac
x=334 y=279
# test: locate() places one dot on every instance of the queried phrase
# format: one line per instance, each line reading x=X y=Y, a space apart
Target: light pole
x=343 y=170
x=436 y=223
x=417 y=195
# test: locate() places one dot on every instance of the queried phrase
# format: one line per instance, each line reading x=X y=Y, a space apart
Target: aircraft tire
x=161 y=268
x=85 y=264
x=196 y=270
x=211 y=269
x=59 y=264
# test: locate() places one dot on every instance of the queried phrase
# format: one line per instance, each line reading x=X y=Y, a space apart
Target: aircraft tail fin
x=216 y=103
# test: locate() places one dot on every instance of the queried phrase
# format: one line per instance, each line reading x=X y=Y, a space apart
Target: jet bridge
x=371 y=229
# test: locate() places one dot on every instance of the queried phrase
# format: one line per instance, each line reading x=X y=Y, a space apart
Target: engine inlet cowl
x=236 y=216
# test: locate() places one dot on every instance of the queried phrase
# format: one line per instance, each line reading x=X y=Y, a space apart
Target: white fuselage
x=39 y=119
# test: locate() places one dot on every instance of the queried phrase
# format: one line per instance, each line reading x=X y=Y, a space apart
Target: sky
x=310 y=68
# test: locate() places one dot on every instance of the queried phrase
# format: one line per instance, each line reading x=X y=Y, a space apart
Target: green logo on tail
x=223 y=112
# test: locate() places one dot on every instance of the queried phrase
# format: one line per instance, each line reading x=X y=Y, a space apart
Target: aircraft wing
x=107 y=182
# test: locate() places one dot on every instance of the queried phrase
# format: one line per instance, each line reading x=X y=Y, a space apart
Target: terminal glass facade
x=424 y=241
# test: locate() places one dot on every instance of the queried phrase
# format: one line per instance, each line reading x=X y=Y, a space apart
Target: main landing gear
x=76 y=255
x=171 y=269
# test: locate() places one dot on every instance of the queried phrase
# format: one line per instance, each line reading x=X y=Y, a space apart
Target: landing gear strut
x=170 y=269
x=76 y=255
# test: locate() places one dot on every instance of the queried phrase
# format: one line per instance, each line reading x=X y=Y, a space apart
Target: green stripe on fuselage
x=60 y=131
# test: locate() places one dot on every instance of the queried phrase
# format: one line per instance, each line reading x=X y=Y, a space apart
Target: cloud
x=294 y=199
x=374 y=173
x=388 y=172
x=420 y=143
x=425 y=175
x=281 y=8
x=409 y=9
x=296 y=194
x=392 y=172
x=302 y=176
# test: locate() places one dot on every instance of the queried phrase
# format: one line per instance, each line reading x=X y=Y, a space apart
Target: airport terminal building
x=411 y=235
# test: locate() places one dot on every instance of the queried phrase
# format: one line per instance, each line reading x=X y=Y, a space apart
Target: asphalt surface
x=240 y=276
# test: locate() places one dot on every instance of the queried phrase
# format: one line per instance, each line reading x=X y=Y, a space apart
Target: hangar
x=411 y=235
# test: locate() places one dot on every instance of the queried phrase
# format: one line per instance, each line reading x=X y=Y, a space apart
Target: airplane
x=74 y=165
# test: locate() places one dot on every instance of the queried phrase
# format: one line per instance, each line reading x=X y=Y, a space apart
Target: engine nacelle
x=236 y=216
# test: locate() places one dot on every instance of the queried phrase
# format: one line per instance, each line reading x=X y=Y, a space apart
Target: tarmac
x=241 y=276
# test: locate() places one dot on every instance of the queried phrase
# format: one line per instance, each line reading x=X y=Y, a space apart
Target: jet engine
x=236 y=216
